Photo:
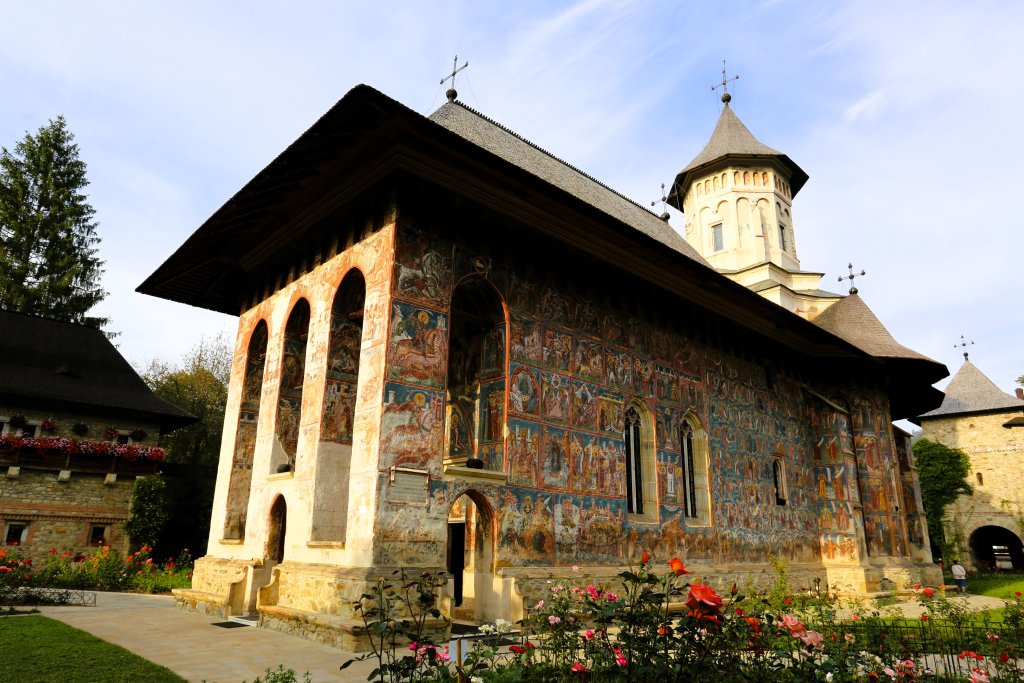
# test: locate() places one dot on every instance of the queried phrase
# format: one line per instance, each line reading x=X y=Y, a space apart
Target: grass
x=39 y=649
x=997 y=586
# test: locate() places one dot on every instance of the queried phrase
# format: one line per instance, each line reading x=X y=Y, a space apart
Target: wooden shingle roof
x=49 y=362
x=971 y=391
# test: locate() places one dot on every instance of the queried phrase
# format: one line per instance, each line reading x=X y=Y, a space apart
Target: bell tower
x=737 y=196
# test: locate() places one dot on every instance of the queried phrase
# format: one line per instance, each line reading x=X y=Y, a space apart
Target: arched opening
x=277 y=530
x=245 y=435
x=470 y=559
x=640 y=463
x=476 y=377
x=693 y=474
x=996 y=548
x=334 y=455
x=293 y=376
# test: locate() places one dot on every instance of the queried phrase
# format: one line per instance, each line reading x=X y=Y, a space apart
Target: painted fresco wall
x=574 y=367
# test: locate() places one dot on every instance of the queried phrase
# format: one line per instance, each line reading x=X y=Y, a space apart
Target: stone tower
x=737 y=195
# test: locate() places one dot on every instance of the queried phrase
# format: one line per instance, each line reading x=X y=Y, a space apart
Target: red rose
x=678 y=567
x=644 y=557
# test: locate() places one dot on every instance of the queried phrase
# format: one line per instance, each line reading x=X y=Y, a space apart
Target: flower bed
x=58 y=445
x=662 y=627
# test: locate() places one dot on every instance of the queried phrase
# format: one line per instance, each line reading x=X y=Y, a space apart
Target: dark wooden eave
x=367 y=138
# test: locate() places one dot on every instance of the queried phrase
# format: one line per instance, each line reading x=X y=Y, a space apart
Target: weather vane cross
x=851 y=277
x=724 y=85
x=452 y=93
x=963 y=345
x=664 y=199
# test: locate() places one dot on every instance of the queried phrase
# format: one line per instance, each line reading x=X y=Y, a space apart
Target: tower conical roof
x=851 y=319
x=732 y=139
x=971 y=391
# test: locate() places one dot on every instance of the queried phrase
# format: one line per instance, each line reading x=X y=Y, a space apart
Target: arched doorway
x=470 y=558
x=996 y=547
x=278 y=530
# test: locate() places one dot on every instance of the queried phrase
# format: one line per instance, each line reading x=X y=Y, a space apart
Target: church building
x=456 y=351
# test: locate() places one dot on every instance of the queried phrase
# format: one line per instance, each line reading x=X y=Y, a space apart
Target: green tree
x=199 y=384
x=148 y=511
x=48 y=242
x=943 y=475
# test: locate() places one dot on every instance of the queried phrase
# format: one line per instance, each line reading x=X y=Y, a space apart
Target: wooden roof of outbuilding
x=74 y=367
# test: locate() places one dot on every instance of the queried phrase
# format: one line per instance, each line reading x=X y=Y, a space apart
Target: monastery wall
x=997 y=460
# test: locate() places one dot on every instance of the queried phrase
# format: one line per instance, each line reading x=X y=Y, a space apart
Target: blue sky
x=904 y=114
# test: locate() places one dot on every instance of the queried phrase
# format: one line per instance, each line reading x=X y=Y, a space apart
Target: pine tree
x=48 y=244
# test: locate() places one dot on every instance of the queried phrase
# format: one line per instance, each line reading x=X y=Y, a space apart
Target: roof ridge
x=36 y=316
x=556 y=158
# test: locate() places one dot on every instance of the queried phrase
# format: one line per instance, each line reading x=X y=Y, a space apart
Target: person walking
x=960 y=576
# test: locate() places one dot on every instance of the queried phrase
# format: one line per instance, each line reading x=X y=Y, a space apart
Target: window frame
x=24 y=532
x=779 y=480
x=717 y=237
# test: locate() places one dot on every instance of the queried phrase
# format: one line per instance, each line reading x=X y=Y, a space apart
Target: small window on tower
x=782 y=237
x=717 y=237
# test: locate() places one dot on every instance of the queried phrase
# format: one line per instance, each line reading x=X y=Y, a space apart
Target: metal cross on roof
x=452 y=93
x=963 y=344
x=851 y=277
x=664 y=209
x=724 y=85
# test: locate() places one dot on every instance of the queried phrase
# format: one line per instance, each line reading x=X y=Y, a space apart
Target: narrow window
x=981 y=479
x=716 y=237
x=782 y=237
x=689 y=474
x=634 y=469
x=779 y=480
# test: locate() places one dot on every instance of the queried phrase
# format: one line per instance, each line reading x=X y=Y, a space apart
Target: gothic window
x=695 y=490
x=779 y=480
x=293 y=377
x=245 y=435
x=634 y=465
x=717 y=237
x=476 y=377
x=782 y=237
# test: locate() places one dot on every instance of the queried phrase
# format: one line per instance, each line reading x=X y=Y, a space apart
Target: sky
x=904 y=114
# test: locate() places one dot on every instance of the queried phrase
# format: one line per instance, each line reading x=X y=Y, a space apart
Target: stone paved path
x=192 y=647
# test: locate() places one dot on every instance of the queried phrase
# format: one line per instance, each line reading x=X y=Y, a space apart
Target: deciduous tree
x=943 y=475
x=198 y=384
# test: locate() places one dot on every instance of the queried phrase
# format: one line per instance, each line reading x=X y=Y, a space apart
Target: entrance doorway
x=995 y=547
x=278 y=528
x=470 y=559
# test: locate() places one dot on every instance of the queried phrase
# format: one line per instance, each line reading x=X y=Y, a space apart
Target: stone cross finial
x=724 y=85
x=452 y=93
x=963 y=345
x=851 y=277
x=664 y=198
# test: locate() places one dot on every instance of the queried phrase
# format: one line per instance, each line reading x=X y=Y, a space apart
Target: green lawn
x=39 y=649
x=997 y=586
